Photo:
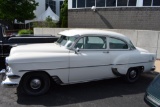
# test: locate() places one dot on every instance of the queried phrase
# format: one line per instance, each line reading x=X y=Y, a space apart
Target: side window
x=117 y=44
x=92 y=42
x=79 y=44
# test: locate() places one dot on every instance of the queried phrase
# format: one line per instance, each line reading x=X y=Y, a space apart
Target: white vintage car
x=80 y=55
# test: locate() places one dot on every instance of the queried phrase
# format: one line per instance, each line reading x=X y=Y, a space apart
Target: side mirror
x=76 y=50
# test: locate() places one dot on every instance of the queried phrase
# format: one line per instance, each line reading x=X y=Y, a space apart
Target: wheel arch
x=139 y=68
x=30 y=72
x=54 y=78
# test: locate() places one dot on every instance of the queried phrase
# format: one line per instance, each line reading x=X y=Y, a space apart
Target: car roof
x=81 y=32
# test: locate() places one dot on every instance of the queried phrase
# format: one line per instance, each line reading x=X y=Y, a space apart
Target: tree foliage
x=64 y=14
x=49 y=23
x=17 y=9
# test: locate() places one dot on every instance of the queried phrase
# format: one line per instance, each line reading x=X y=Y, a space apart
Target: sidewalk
x=157 y=64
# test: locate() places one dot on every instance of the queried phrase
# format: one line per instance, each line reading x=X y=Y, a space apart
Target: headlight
x=8 y=69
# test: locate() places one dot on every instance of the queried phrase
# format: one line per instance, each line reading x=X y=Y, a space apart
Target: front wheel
x=36 y=83
x=132 y=75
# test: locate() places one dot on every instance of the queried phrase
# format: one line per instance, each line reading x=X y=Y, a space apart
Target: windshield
x=66 y=41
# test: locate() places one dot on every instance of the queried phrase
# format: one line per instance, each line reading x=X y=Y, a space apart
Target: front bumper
x=152 y=102
x=6 y=82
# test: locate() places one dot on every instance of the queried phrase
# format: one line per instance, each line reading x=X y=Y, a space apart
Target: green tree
x=17 y=9
x=49 y=23
x=64 y=14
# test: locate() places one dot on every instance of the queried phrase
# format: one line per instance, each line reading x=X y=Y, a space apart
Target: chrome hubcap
x=133 y=74
x=35 y=83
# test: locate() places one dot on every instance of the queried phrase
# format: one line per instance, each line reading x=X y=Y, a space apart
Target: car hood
x=38 y=48
x=38 y=53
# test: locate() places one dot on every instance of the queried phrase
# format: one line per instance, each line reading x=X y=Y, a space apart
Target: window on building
x=100 y=3
x=47 y=1
x=74 y=2
x=80 y=3
x=156 y=2
x=147 y=2
x=110 y=2
x=90 y=3
x=122 y=2
x=61 y=3
x=132 y=2
x=52 y=5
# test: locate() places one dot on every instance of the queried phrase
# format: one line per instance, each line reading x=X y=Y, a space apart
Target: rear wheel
x=132 y=75
x=36 y=83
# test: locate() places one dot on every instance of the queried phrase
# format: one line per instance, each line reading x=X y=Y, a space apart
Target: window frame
x=114 y=6
x=73 y=47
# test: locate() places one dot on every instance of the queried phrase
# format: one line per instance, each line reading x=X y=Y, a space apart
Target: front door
x=92 y=62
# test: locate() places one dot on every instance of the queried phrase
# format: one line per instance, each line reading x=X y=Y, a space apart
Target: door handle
x=105 y=51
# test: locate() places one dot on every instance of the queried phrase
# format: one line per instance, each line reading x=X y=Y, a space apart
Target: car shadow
x=78 y=93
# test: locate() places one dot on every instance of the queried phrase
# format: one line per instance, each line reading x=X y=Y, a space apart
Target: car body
x=152 y=95
x=79 y=55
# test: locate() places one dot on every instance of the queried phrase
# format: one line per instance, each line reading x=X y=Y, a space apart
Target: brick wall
x=145 y=18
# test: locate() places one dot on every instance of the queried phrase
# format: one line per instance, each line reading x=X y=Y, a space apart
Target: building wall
x=145 y=18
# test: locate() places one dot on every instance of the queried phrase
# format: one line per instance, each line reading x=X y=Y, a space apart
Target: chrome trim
x=3 y=71
x=153 y=99
x=64 y=68
x=13 y=76
x=80 y=67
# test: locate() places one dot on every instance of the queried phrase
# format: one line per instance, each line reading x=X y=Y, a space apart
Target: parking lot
x=106 y=93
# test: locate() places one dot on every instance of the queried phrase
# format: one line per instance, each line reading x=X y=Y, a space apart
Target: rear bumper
x=153 y=68
x=6 y=82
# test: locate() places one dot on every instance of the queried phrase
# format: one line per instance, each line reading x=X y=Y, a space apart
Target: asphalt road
x=106 y=93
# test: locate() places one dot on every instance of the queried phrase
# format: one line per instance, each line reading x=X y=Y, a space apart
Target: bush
x=25 y=31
